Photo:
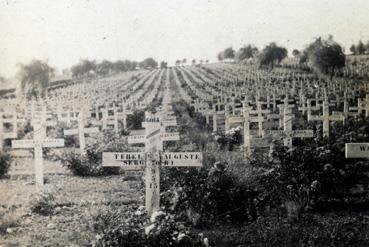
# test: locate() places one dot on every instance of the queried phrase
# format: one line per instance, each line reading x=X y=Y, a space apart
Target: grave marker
x=153 y=158
x=81 y=131
x=38 y=143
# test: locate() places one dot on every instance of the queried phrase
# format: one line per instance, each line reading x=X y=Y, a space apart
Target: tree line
x=359 y=48
x=324 y=56
x=87 y=67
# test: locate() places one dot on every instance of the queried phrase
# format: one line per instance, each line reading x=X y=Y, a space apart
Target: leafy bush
x=82 y=165
x=311 y=230
x=5 y=161
x=219 y=191
x=91 y=163
x=43 y=204
x=230 y=139
x=315 y=175
x=134 y=121
x=322 y=171
x=135 y=230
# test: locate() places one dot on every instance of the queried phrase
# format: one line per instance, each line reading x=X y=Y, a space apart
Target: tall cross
x=152 y=159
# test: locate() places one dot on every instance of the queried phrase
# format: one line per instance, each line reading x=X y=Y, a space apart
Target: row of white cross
x=155 y=134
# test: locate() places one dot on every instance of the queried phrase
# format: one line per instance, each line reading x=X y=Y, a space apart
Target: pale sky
x=63 y=32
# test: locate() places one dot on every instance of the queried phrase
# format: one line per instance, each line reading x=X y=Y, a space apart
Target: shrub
x=311 y=230
x=134 y=120
x=81 y=166
x=230 y=139
x=86 y=165
x=219 y=191
x=208 y=195
x=163 y=229
x=5 y=161
x=323 y=172
x=91 y=163
x=43 y=204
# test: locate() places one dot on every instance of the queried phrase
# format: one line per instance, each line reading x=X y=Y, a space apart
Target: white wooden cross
x=310 y=109
x=259 y=119
x=365 y=105
x=81 y=131
x=326 y=118
x=152 y=159
x=42 y=118
x=246 y=132
x=38 y=143
x=215 y=123
x=282 y=108
x=288 y=133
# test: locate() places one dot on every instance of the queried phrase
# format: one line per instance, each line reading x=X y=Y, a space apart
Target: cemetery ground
x=67 y=210
x=228 y=203
x=310 y=196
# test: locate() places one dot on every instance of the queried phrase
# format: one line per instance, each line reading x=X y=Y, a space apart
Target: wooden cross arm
x=33 y=143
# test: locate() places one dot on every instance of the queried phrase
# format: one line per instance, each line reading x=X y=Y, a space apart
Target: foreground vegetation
x=312 y=196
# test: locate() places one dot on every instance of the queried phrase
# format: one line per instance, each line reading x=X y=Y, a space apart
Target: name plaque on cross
x=293 y=133
x=139 y=159
x=357 y=150
x=46 y=143
x=169 y=136
x=125 y=160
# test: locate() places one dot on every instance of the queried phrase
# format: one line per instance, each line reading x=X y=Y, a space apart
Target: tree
x=35 y=78
x=360 y=48
x=246 y=52
x=104 y=67
x=84 y=67
x=220 y=56
x=325 y=56
x=296 y=53
x=353 y=49
x=163 y=64
x=126 y=65
x=272 y=54
x=132 y=65
x=207 y=61
x=2 y=79
x=120 y=66
x=178 y=62
x=149 y=63
x=228 y=53
x=193 y=61
x=184 y=61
